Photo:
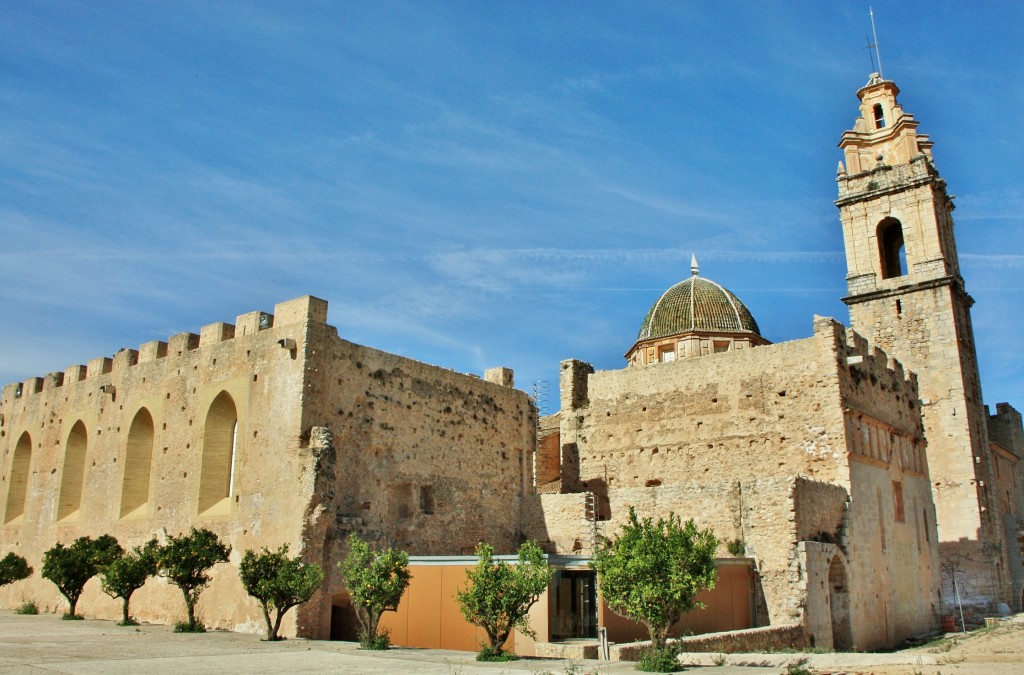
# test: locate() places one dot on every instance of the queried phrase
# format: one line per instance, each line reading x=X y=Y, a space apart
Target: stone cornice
x=956 y=283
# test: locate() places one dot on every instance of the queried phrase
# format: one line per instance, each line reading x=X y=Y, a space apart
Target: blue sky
x=475 y=184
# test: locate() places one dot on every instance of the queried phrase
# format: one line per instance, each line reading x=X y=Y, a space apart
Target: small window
x=400 y=501
x=427 y=499
x=897 y=501
x=881 y=518
x=667 y=354
x=879 y=116
x=721 y=346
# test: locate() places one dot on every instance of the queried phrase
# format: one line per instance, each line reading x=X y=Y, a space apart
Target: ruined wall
x=769 y=411
x=163 y=394
x=769 y=447
x=890 y=537
x=759 y=512
x=1006 y=430
x=423 y=458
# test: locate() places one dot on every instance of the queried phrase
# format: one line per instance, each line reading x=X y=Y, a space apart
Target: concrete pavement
x=46 y=644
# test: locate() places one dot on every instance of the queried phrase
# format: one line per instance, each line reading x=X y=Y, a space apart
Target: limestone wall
x=82 y=422
x=331 y=438
x=758 y=512
x=773 y=410
x=422 y=458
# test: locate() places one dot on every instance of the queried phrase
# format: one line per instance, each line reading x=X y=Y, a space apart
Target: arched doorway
x=839 y=600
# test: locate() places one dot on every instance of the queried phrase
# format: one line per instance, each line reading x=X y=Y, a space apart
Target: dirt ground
x=992 y=651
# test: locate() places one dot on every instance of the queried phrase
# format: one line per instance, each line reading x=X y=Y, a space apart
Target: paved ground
x=45 y=644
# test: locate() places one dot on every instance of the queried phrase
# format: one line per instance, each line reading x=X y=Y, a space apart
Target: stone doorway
x=839 y=600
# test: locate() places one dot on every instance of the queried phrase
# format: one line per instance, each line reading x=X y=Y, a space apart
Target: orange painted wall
x=429 y=616
x=728 y=608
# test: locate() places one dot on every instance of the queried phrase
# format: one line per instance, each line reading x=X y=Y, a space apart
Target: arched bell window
x=879 y=116
x=891 y=252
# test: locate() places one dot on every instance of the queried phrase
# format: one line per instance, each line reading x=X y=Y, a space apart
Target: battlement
x=855 y=349
x=300 y=310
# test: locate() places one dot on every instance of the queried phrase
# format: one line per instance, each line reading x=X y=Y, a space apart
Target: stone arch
x=73 y=474
x=138 y=463
x=891 y=252
x=17 y=479
x=220 y=438
x=839 y=601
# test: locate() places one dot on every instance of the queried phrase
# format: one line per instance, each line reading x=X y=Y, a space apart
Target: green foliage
x=736 y=547
x=278 y=582
x=376 y=582
x=499 y=595
x=379 y=642
x=28 y=607
x=660 y=659
x=185 y=561
x=486 y=654
x=186 y=627
x=71 y=567
x=651 y=572
x=799 y=668
x=13 y=568
x=127 y=574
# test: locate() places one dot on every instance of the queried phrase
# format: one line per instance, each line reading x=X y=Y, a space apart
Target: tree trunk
x=270 y=626
x=277 y=623
x=124 y=610
x=658 y=635
x=190 y=604
x=72 y=603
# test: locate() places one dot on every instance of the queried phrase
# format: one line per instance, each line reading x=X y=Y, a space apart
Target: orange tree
x=651 y=573
x=499 y=595
x=376 y=581
x=278 y=582
x=186 y=561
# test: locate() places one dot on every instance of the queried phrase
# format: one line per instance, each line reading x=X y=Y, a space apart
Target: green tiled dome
x=697 y=304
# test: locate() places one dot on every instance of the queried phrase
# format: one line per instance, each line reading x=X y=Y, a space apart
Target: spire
x=694 y=268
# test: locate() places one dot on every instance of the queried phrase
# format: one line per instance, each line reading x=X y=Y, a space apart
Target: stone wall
x=753 y=640
x=331 y=438
x=758 y=512
x=773 y=410
x=156 y=401
x=425 y=459
x=921 y=315
x=774 y=446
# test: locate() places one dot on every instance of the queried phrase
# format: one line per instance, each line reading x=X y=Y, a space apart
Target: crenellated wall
x=331 y=438
x=775 y=447
x=132 y=430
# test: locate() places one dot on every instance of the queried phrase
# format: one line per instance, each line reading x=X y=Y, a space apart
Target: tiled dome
x=697 y=304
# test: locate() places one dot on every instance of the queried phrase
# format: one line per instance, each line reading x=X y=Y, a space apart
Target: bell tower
x=906 y=295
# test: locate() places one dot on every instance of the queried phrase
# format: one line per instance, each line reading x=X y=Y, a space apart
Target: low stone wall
x=568 y=650
x=768 y=638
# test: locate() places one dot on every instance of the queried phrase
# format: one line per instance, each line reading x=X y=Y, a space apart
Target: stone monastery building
x=852 y=476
